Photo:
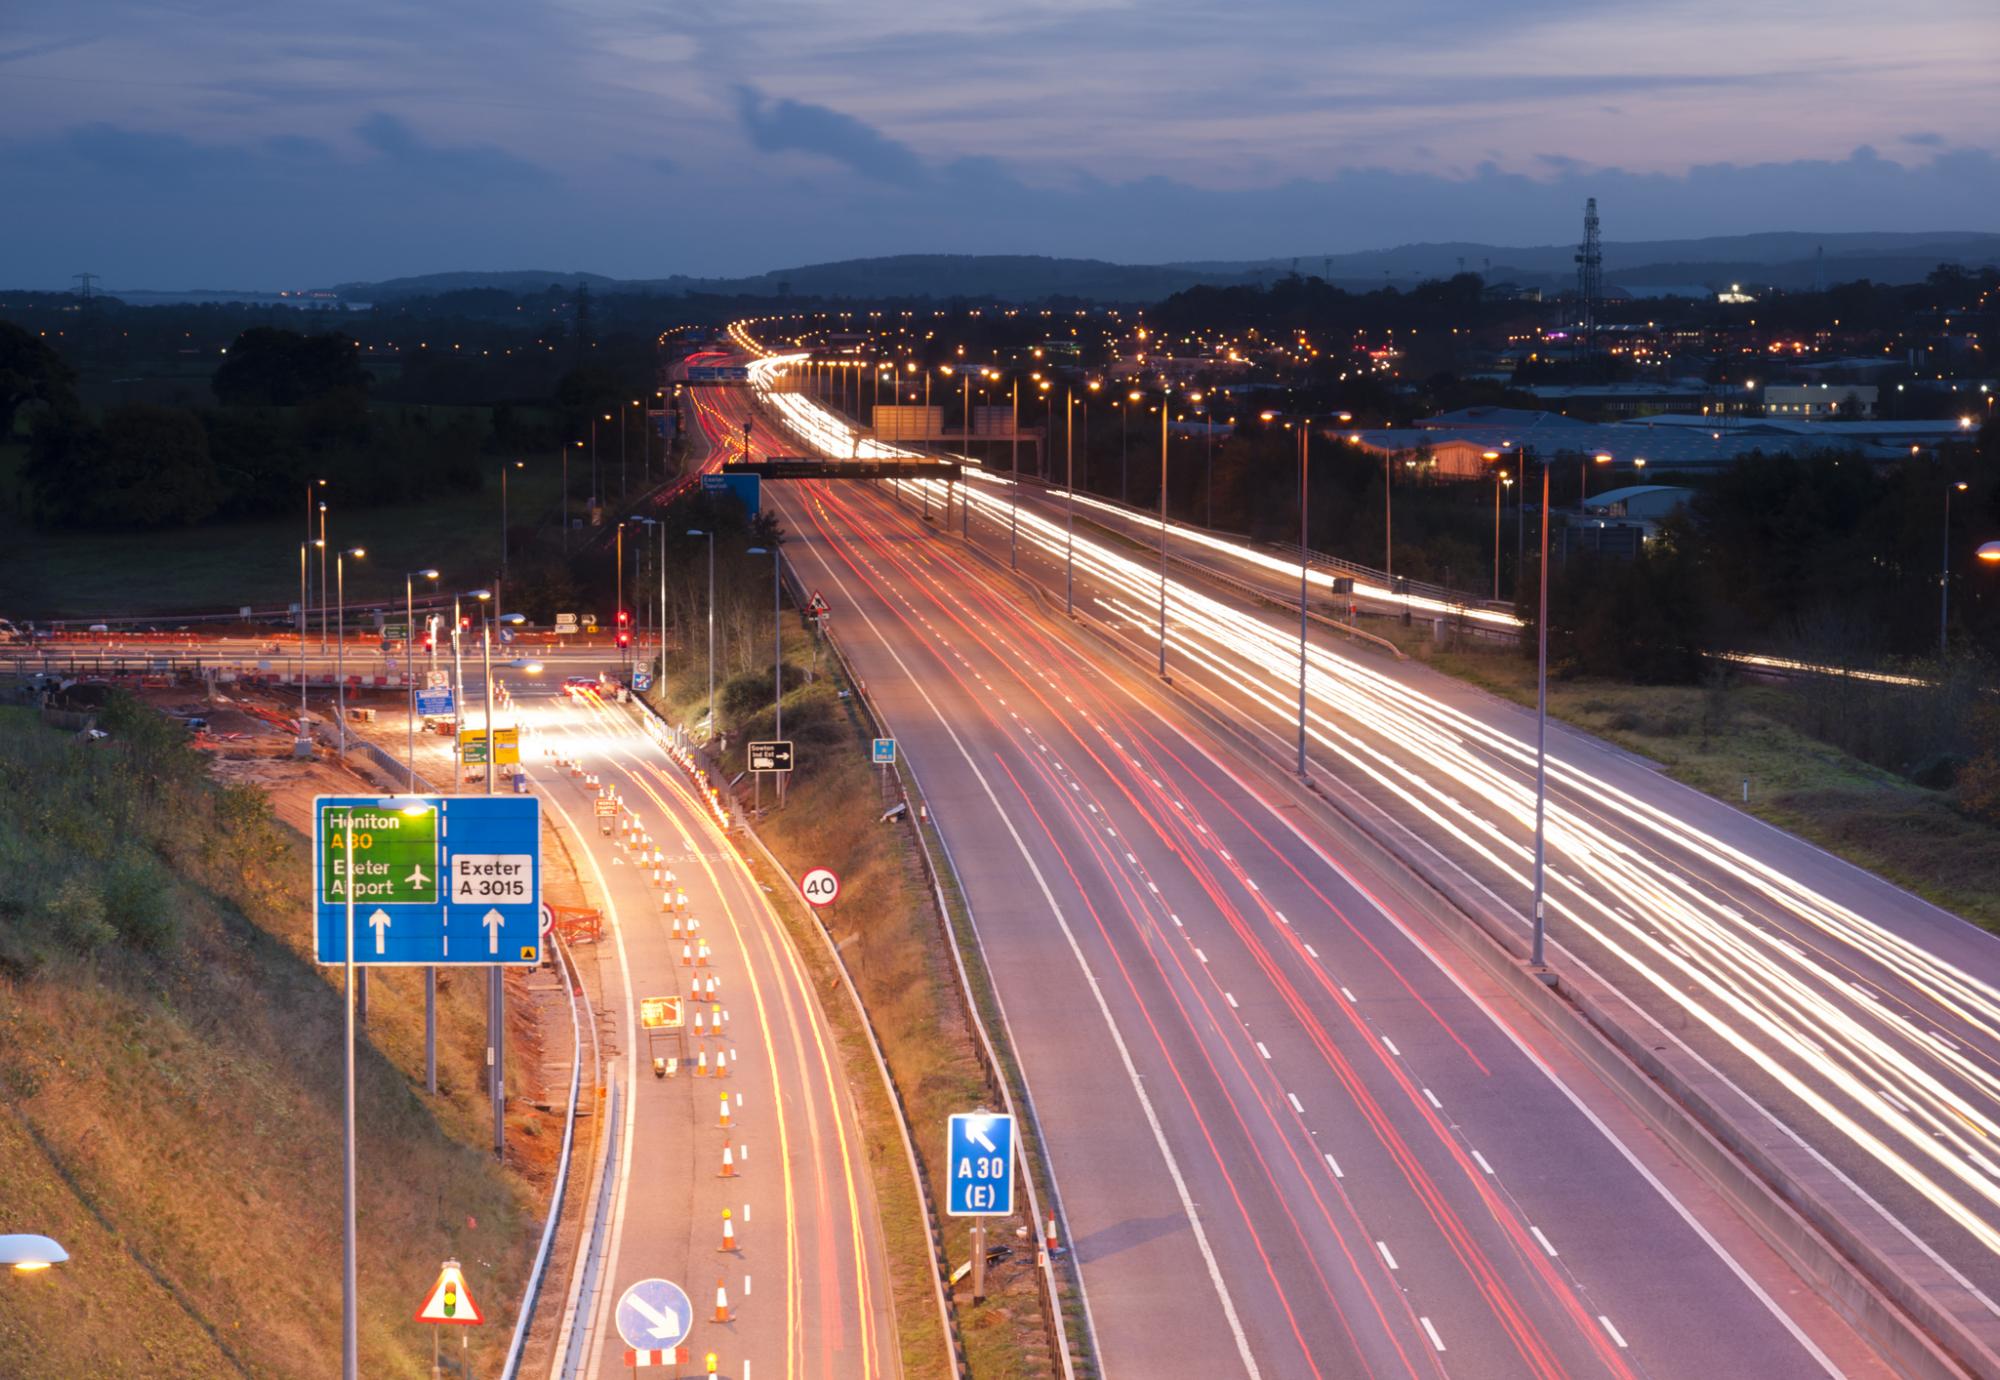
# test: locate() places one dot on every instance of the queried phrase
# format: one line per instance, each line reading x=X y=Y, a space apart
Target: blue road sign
x=655 y=1315
x=440 y=880
x=884 y=754
x=642 y=680
x=980 y=1160
x=434 y=703
x=744 y=488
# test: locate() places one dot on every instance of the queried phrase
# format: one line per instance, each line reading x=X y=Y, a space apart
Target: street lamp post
x=777 y=660
x=1124 y=448
x=1069 y=503
x=1944 y=576
x=305 y=589
x=505 y=465
x=698 y=532
x=1541 y=732
x=1305 y=562
x=1164 y=400
x=1499 y=480
x=304 y=736
x=410 y=667
x=322 y=578
x=1014 y=479
x=340 y=639
x=1388 y=526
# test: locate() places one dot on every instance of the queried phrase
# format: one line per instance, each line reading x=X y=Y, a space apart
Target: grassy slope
x=895 y=951
x=173 y=1113
x=216 y=568
x=1712 y=740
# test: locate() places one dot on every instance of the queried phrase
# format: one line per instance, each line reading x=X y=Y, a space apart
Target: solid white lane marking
x=1383 y=1246
x=1615 y=1335
x=1334 y=1165
x=1432 y=1333
x=1543 y=1239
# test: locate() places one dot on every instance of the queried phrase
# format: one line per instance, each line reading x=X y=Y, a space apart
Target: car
x=576 y=683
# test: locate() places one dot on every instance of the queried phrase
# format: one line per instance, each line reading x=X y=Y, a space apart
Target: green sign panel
x=395 y=632
x=395 y=857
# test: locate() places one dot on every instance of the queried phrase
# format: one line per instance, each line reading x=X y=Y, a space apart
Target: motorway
x=1290 y=1138
x=806 y=1281
x=1857 y=1026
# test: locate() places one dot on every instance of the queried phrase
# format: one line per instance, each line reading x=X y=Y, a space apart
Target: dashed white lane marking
x=1480 y=1160
x=1383 y=1246
x=746 y=1286
x=1390 y=1045
x=1231 y=998
x=1200 y=955
x=1177 y=920
x=1249 y=883
x=1432 y=1333
x=1349 y=995
x=1432 y=1098
x=1615 y=1335
x=1311 y=950
x=1297 y=1106
x=1543 y=1239
x=1281 y=917
x=1263 y=1051
x=1334 y=1165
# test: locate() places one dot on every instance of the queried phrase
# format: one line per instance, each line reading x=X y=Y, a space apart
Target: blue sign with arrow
x=655 y=1315
x=434 y=703
x=435 y=880
x=979 y=1158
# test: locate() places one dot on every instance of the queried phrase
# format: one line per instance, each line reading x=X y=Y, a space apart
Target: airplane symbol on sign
x=417 y=877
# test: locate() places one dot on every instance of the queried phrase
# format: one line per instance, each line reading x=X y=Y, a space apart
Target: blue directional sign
x=884 y=754
x=980 y=1160
x=436 y=880
x=434 y=703
x=746 y=489
x=655 y=1315
x=642 y=680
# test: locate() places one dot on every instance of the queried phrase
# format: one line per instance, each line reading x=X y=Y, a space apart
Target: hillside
x=170 y=1087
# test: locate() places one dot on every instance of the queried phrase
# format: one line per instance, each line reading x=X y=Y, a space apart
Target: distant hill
x=1782 y=259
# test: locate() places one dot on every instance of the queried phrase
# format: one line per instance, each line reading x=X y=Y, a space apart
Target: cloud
x=1925 y=138
x=785 y=124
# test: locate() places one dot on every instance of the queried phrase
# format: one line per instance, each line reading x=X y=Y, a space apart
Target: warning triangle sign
x=449 y=1301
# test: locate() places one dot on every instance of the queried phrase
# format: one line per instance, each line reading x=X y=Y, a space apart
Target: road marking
x=1383 y=1246
x=1200 y=955
x=1312 y=951
x=1295 y=1103
x=1612 y=1330
x=1432 y=1333
x=1543 y=1239
x=1480 y=1160
x=1432 y=1098
x=1390 y=1045
x=1263 y=1051
x=1349 y=995
x=1230 y=997
x=1334 y=1165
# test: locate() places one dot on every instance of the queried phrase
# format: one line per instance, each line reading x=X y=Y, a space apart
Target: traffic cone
x=728 y=1163
x=701 y=1068
x=1054 y=1245
x=667 y=905
x=659 y=880
x=701 y=953
x=687 y=955
x=728 y=1232
x=721 y=1303
x=676 y=932
x=722 y=1063
x=694 y=923
x=700 y=1033
x=723 y=1122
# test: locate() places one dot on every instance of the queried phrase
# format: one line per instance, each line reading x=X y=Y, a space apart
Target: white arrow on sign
x=661 y=1324
x=380 y=921
x=977 y=1130
x=493 y=920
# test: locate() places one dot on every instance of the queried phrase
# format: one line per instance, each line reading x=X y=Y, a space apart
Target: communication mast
x=1589 y=277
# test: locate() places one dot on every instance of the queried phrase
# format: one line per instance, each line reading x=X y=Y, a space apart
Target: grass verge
x=1717 y=738
x=170 y=1076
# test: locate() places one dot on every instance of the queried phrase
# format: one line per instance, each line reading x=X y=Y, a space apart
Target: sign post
x=979 y=1164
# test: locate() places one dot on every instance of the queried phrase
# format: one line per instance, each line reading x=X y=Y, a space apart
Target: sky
x=264 y=144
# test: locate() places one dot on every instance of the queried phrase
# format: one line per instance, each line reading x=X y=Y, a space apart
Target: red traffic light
x=624 y=639
x=623 y=618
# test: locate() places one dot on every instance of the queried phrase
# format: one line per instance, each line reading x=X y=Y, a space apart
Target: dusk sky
x=267 y=143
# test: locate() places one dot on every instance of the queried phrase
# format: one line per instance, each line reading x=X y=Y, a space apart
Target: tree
x=145 y=467
x=30 y=372
x=268 y=367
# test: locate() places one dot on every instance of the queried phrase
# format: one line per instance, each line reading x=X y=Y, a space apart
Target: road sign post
x=979 y=1163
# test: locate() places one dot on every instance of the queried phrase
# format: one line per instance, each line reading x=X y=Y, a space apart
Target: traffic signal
x=624 y=628
x=624 y=638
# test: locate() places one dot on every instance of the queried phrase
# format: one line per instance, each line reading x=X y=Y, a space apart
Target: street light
x=305 y=591
x=1944 y=579
x=1305 y=561
x=1499 y=481
x=504 y=467
x=27 y=1254
x=340 y=639
x=410 y=578
x=1164 y=400
x=698 y=532
x=322 y=577
x=777 y=660
x=1989 y=553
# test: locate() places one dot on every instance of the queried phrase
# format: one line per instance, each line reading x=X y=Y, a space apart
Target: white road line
x=1312 y=951
x=1230 y=997
x=1615 y=1335
x=1432 y=1333
x=1432 y=1098
x=1200 y=955
x=1349 y=995
x=1263 y=1051
x=1480 y=1160
x=1295 y=1103
x=1543 y=1239
x=1334 y=1165
x=1390 y=1045
x=1383 y=1246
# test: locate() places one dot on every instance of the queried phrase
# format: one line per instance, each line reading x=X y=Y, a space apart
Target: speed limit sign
x=820 y=886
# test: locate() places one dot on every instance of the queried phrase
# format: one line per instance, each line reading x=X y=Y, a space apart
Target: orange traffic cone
x=721 y=1303
x=722 y=1062
x=687 y=955
x=728 y=1163
x=723 y=1120
x=701 y=953
x=728 y=1232
x=1054 y=1245
x=700 y=1031
x=701 y=1068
